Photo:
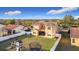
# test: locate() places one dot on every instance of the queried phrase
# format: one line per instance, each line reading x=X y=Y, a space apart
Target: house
x=74 y=36
x=10 y=28
x=18 y=28
x=21 y=27
x=45 y=29
x=3 y=32
x=1 y=26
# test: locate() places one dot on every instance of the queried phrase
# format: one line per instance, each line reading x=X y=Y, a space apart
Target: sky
x=38 y=12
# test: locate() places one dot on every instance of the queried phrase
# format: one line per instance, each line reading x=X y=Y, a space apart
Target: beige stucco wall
x=76 y=41
x=35 y=32
x=3 y=33
x=51 y=31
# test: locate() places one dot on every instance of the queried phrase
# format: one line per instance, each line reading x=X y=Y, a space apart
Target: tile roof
x=2 y=25
x=10 y=27
x=74 y=32
x=42 y=24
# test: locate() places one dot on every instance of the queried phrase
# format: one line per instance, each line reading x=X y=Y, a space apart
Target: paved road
x=14 y=35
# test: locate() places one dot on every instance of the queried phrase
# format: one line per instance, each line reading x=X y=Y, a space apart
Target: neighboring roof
x=74 y=32
x=10 y=27
x=20 y=27
x=26 y=28
x=1 y=25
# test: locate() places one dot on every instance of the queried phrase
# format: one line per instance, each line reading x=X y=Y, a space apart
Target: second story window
x=49 y=27
x=48 y=34
x=73 y=40
x=34 y=32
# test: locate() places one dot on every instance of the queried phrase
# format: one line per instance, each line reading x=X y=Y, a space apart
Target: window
x=48 y=34
x=73 y=40
x=49 y=27
x=34 y=32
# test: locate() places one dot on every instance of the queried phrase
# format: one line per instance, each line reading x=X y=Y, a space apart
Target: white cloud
x=43 y=17
x=76 y=17
x=39 y=17
x=12 y=13
x=63 y=10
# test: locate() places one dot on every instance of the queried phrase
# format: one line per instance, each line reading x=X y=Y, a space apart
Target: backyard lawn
x=46 y=43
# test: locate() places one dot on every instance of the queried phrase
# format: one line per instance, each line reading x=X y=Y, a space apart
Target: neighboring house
x=74 y=36
x=3 y=32
x=1 y=26
x=46 y=29
x=10 y=29
x=27 y=29
x=19 y=27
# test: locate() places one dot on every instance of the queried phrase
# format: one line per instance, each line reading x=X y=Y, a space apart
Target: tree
x=12 y=21
x=60 y=22
x=76 y=23
x=6 y=22
x=68 y=20
x=26 y=23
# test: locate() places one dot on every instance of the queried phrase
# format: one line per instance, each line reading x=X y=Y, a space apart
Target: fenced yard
x=46 y=43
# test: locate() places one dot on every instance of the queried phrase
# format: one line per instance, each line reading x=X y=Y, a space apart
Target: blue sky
x=37 y=12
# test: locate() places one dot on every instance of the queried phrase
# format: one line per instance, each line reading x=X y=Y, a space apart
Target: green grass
x=46 y=43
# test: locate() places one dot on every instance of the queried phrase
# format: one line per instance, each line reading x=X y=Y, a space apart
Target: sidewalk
x=12 y=36
x=56 y=43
